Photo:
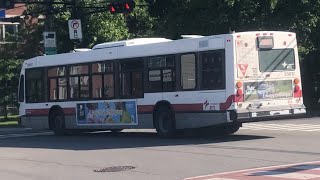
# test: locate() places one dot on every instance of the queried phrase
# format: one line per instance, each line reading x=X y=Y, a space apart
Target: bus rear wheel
x=231 y=129
x=164 y=122
x=59 y=124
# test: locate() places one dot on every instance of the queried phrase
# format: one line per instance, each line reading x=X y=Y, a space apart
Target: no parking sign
x=75 y=30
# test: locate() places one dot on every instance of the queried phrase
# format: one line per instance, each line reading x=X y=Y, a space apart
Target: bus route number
x=289 y=74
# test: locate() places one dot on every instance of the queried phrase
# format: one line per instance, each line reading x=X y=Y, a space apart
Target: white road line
x=282 y=127
x=286 y=125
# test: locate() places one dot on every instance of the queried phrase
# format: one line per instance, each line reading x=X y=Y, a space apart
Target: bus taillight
x=239 y=84
x=297 y=89
x=238 y=97
x=239 y=92
x=239 y=88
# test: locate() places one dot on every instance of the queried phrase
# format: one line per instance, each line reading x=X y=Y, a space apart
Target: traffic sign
x=75 y=30
x=49 y=39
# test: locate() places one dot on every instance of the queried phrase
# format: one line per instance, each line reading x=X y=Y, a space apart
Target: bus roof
x=130 y=42
x=140 y=47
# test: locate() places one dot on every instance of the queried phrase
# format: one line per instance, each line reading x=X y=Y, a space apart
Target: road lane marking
x=282 y=127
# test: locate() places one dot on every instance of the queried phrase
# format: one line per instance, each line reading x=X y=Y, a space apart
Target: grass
x=12 y=121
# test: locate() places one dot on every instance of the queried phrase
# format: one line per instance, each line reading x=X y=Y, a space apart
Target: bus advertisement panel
x=107 y=113
x=268 y=90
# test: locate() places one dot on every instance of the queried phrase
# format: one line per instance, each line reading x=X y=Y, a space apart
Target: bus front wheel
x=59 y=124
x=164 y=122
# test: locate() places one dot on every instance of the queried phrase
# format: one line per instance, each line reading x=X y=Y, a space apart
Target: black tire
x=165 y=122
x=59 y=127
x=231 y=129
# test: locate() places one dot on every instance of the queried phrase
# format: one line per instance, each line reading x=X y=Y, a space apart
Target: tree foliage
x=98 y=25
x=207 y=17
x=9 y=75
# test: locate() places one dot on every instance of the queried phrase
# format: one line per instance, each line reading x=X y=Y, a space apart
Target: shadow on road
x=107 y=140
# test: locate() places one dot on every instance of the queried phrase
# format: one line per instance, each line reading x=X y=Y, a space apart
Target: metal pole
x=74 y=16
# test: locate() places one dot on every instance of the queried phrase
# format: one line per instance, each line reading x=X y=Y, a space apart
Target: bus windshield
x=276 y=60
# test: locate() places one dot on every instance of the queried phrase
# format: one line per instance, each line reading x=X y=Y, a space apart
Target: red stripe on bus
x=176 y=107
x=187 y=107
x=45 y=112
x=148 y=108
x=233 y=98
x=37 y=112
x=145 y=109
x=69 y=111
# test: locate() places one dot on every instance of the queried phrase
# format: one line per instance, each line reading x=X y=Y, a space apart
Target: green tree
x=98 y=24
x=9 y=75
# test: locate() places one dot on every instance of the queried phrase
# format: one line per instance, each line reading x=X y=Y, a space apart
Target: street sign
x=50 y=50
x=2 y=13
x=50 y=43
x=49 y=39
x=75 y=30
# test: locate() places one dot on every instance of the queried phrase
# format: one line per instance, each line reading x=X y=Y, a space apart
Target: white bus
x=197 y=81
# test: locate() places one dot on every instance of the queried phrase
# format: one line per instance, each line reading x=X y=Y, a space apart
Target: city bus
x=168 y=85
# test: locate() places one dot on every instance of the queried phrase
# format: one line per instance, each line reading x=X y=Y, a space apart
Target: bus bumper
x=262 y=114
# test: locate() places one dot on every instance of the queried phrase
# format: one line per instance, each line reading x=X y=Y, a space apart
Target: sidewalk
x=16 y=130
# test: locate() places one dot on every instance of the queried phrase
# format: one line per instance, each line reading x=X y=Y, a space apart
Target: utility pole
x=48 y=24
x=49 y=36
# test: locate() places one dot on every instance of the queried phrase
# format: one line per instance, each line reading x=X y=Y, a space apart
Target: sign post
x=75 y=30
x=50 y=43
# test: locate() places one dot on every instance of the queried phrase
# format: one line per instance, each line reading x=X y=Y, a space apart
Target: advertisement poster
x=107 y=113
x=268 y=90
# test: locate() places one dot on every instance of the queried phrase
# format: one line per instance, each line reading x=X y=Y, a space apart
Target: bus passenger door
x=183 y=82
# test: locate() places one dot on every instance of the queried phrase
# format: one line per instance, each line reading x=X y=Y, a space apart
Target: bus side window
x=35 y=85
x=161 y=75
x=103 y=80
x=57 y=83
x=131 y=79
x=188 y=71
x=212 y=70
x=21 y=89
x=79 y=81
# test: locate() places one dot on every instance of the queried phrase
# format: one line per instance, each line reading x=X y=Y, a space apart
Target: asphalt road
x=42 y=156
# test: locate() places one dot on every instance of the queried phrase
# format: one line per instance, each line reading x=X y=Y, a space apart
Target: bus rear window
x=276 y=60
